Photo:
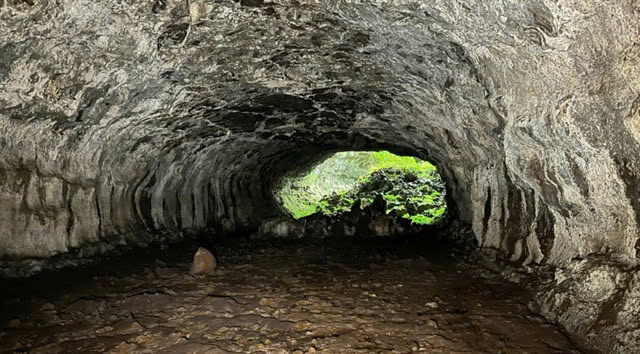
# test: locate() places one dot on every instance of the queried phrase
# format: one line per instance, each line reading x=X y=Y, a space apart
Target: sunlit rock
x=283 y=227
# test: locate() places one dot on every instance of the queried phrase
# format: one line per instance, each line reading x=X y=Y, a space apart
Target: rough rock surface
x=403 y=194
x=598 y=299
x=298 y=298
x=203 y=262
x=370 y=221
x=282 y=227
x=111 y=124
x=122 y=119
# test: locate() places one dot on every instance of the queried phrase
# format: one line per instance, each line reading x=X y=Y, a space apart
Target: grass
x=385 y=159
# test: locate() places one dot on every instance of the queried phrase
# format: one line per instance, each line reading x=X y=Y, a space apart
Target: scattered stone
x=197 y=9
x=104 y=330
x=536 y=318
x=14 y=323
x=127 y=326
x=306 y=307
x=432 y=305
x=382 y=225
x=48 y=307
x=203 y=262
x=432 y=323
x=192 y=348
x=282 y=227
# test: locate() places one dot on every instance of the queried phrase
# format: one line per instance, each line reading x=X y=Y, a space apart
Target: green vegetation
x=301 y=195
x=411 y=188
x=385 y=159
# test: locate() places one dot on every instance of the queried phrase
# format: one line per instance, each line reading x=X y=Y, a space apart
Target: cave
x=134 y=133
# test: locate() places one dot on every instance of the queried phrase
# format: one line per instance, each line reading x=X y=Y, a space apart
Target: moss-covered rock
x=412 y=187
x=406 y=194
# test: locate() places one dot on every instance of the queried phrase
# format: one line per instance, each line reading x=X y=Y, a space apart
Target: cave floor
x=275 y=297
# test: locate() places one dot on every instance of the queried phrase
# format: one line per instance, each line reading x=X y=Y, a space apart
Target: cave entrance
x=360 y=192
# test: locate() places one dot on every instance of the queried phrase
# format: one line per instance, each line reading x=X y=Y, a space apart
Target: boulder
x=282 y=227
x=203 y=262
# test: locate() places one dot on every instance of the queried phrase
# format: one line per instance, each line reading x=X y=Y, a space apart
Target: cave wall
x=114 y=128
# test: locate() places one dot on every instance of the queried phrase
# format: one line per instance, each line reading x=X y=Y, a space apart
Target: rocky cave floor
x=348 y=296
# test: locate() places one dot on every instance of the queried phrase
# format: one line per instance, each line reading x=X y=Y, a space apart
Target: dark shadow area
x=228 y=250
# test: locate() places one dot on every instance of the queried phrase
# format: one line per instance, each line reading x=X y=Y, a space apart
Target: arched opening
x=411 y=188
x=364 y=193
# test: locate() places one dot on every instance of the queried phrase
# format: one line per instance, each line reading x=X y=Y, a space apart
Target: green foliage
x=411 y=188
x=419 y=199
x=386 y=160
x=421 y=219
x=335 y=204
x=366 y=201
x=301 y=195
